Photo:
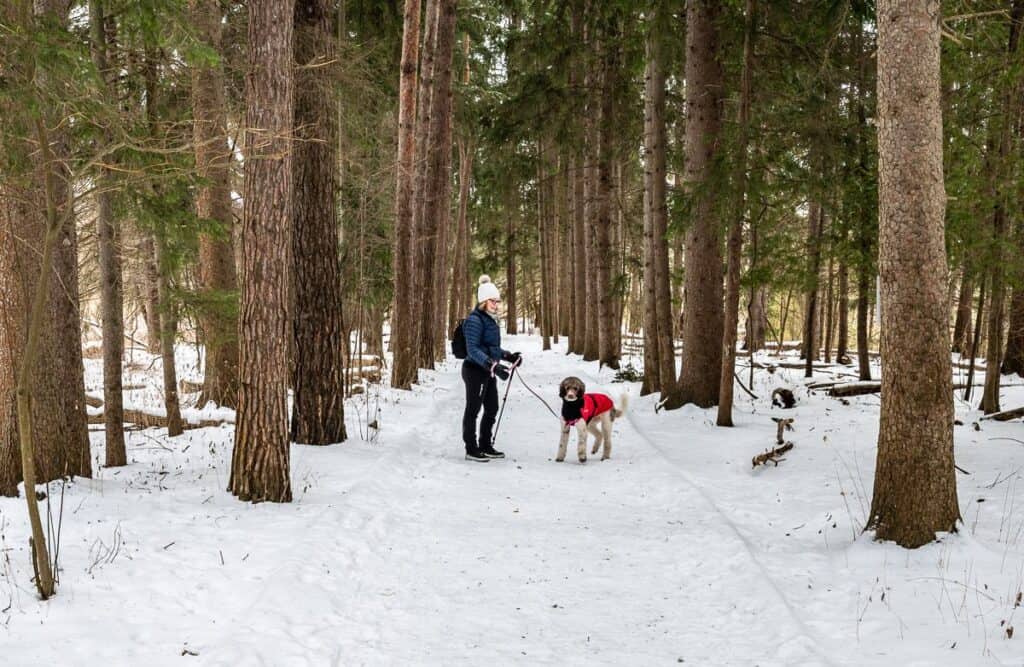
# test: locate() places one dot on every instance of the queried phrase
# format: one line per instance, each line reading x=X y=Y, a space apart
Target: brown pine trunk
x=150 y=293
x=511 y=325
x=915 y=493
x=423 y=152
x=735 y=242
x=608 y=321
x=403 y=368
x=700 y=379
x=579 y=263
x=318 y=414
x=168 y=321
x=543 y=223
x=1013 y=360
x=843 y=314
x=829 y=308
x=460 y=255
x=1000 y=174
x=436 y=183
x=260 y=461
x=218 y=318
x=962 y=324
x=12 y=326
x=111 y=291
x=654 y=205
x=566 y=282
x=815 y=223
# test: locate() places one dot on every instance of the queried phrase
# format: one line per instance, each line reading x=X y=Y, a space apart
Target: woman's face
x=492 y=306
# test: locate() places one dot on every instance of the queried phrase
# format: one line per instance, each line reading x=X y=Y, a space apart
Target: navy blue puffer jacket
x=483 y=339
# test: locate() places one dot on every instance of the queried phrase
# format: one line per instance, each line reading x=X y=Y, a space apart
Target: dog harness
x=594 y=405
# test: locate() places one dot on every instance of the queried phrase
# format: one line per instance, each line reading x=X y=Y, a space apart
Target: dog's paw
x=560 y=459
x=596 y=447
x=605 y=458
x=583 y=459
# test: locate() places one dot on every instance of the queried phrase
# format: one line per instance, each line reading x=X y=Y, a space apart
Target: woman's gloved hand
x=500 y=371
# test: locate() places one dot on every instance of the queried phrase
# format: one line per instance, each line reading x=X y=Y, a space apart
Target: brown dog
x=587 y=412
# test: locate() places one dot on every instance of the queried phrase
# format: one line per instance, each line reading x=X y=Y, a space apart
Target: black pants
x=481 y=389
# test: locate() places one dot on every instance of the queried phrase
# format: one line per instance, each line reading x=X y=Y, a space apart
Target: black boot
x=490 y=452
x=476 y=455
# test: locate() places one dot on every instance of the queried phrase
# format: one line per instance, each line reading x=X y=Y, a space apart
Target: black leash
x=553 y=413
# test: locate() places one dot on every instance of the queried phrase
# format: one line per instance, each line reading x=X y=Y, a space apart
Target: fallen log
x=774 y=455
x=1005 y=415
x=855 y=388
x=146 y=420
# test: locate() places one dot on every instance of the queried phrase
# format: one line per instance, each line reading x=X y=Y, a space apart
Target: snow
x=397 y=551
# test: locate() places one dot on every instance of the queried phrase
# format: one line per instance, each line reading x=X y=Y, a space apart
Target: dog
x=783 y=398
x=587 y=412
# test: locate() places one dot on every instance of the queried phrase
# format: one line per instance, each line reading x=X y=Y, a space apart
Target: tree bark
x=700 y=379
x=111 y=291
x=843 y=315
x=654 y=202
x=403 y=367
x=12 y=326
x=962 y=324
x=260 y=462
x=608 y=320
x=815 y=224
x=460 y=255
x=1013 y=360
x=436 y=182
x=999 y=178
x=735 y=242
x=318 y=409
x=218 y=285
x=915 y=484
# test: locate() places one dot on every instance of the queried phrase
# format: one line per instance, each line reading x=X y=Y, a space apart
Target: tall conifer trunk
x=218 y=317
x=318 y=414
x=403 y=371
x=915 y=493
x=260 y=461
x=700 y=378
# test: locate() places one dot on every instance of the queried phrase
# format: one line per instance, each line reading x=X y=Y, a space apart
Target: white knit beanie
x=487 y=290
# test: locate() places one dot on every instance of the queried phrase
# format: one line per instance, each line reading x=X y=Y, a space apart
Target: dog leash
x=529 y=389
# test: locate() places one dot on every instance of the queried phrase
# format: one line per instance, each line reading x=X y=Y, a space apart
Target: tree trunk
x=111 y=292
x=150 y=293
x=815 y=224
x=460 y=255
x=422 y=161
x=260 y=462
x=403 y=367
x=829 y=308
x=700 y=379
x=318 y=410
x=1013 y=360
x=511 y=325
x=12 y=326
x=843 y=314
x=218 y=316
x=436 y=182
x=607 y=319
x=962 y=324
x=735 y=242
x=654 y=203
x=915 y=492
x=1001 y=174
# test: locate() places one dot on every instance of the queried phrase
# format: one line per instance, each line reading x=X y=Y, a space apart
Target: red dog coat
x=594 y=405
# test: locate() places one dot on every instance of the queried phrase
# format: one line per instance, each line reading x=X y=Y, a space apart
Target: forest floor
x=397 y=551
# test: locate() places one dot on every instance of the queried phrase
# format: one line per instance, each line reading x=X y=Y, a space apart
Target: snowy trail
x=401 y=552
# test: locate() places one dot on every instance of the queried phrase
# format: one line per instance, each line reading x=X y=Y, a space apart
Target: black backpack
x=459 y=340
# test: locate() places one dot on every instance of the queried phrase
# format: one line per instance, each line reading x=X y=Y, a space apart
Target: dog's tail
x=623 y=405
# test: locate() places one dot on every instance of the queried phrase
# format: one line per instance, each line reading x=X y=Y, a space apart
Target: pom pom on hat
x=486 y=290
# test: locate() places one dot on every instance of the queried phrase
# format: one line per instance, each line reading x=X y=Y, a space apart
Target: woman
x=483 y=357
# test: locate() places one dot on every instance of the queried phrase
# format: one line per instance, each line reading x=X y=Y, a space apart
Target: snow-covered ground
x=397 y=551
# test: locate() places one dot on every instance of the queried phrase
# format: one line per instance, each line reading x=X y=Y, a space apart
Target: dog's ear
x=583 y=388
x=561 y=389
